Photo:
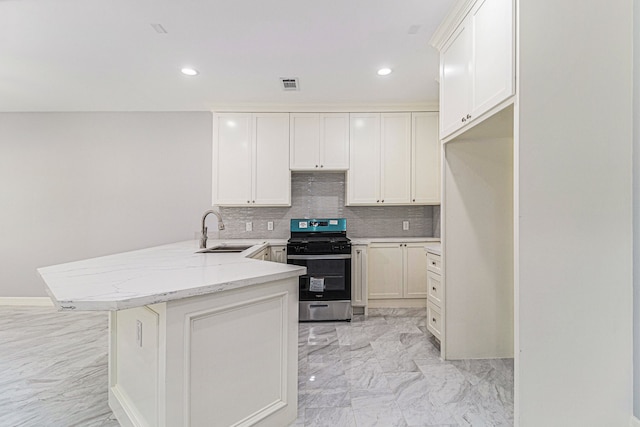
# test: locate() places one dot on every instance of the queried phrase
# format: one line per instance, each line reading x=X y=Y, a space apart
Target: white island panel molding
x=196 y=339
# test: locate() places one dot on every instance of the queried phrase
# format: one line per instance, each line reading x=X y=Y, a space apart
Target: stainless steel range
x=322 y=246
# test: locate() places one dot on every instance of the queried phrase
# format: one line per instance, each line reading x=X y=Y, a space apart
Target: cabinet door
x=425 y=159
x=279 y=254
x=334 y=141
x=416 y=270
x=232 y=152
x=359 y=276
x=263 y=255
x=385 y=270
x=304 y=141
x=272 y=178
x=395 y=158
x=434 y=288
x=364 y=159
x=492 y=64
x=455 y=58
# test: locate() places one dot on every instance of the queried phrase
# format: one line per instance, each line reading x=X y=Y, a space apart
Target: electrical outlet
x=139 y=333
x=270 y=225
x=405 y=225
x=248 y=226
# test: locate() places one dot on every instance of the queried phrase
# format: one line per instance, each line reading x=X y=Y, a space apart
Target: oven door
x=328 y=277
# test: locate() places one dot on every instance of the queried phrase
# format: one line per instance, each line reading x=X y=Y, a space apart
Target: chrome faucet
x=203 y=237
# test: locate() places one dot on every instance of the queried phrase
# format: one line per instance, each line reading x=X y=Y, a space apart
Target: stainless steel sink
x=224 y=248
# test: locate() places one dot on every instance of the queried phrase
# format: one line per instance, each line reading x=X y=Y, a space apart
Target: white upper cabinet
x=363 y=187
x=251 y=159
x=455 y=83
x=476 y=64
x=319 y=141
x=425 y=159
x=394 y=159
x=272 y=177
x=380 y=159
x=232 y=159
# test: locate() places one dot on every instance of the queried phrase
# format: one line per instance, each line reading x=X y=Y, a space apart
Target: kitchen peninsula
x=195 y=338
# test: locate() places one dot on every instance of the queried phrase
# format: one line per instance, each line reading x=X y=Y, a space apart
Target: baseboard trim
x=635 y=422
x=27 y=301
x=398 y=303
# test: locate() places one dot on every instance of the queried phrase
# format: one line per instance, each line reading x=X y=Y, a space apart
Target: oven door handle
x=337 y=256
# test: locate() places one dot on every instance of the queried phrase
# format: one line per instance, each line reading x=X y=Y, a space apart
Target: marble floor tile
x=378 y=370
x=329 y=417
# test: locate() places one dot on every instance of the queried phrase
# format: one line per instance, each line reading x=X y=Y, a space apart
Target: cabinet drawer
x=434 y=288
x=434 y=320
x=434 y=263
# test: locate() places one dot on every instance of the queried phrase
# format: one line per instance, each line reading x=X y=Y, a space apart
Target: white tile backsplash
x=322 y=195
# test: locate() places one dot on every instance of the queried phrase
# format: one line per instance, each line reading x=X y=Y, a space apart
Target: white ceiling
x=104 y=55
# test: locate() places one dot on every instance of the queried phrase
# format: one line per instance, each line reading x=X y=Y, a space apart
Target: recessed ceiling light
x=384 y=71
x=187 y=71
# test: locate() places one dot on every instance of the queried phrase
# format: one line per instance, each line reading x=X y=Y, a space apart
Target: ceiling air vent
x=290 y=83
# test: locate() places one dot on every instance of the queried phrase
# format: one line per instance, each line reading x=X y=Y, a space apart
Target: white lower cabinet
x=263 y=255
x=397 y=270
x=278 y=253
x=434 y=320
x=359 y=276
x=435 y=295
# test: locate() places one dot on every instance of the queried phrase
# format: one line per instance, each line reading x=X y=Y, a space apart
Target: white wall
x=80 y=185
x=478 y=248
x=574 y=213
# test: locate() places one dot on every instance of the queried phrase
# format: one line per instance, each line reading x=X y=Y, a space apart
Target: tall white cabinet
x=251 y=159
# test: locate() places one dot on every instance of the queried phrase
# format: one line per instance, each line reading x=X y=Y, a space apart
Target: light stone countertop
x=434 y=248
x=369 y=240
x=159 y=274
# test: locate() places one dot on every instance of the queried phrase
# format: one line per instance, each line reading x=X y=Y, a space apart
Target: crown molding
x=324 y=108
x=450 y=22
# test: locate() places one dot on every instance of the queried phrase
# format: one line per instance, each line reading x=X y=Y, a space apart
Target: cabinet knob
x=468 y=116
x=433 y=319
x=316 y=165
x=382 y=200
x=253 y=201
x=414 y=200
x=434 y=288
x=321 y=166
x=248 y=201
x=464 y=120
x=377 y=201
